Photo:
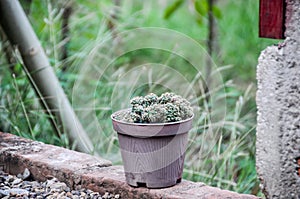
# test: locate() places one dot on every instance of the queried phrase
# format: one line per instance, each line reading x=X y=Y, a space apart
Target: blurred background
x=70 y=30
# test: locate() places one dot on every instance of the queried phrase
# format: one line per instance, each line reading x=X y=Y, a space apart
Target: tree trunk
x=65 y=36
x=210 y=40
x=113 y=16
x=39 y=71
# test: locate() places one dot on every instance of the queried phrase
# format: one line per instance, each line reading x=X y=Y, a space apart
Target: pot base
x=134 y=180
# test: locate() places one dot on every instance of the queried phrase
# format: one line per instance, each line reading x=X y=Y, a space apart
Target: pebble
x=16 y=181
x=21 y=187
x=26 y=174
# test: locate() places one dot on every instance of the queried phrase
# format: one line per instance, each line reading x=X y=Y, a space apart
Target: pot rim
x=147 y=124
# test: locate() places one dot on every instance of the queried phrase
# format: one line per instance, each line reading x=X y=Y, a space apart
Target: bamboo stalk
x=39 y=71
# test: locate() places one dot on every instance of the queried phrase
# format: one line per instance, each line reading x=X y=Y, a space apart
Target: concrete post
x=278 y=102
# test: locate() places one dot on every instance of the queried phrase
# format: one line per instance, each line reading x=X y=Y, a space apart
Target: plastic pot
x=152 y=154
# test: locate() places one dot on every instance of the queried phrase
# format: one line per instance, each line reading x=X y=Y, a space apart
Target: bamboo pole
x=39 y=71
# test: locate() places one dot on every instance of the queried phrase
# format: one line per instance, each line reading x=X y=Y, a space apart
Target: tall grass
x=219 y=154
x=20 y=111
x=224 y=155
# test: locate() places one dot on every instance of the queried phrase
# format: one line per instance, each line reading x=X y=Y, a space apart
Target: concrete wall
x=278 y=102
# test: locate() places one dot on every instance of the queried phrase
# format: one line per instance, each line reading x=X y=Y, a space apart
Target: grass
x=225 y=152
x=221 y=150
x=20 y=111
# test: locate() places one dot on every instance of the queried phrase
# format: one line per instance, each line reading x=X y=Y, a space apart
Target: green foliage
x=201 y=8
x=172 y=8
x=217 y=12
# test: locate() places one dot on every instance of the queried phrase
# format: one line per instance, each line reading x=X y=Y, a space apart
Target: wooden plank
x=272 y=19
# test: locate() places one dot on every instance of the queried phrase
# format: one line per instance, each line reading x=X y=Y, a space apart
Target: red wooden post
x=298 y=161
x=272 y=18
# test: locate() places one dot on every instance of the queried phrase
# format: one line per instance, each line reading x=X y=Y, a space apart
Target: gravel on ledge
x=21 y=186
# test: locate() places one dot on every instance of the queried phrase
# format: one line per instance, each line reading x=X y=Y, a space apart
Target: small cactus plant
x=169 y=107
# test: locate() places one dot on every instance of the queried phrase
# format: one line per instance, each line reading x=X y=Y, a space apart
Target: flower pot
x=152 y=153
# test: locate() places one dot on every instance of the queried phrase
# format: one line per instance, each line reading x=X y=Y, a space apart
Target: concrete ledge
x=80 y=170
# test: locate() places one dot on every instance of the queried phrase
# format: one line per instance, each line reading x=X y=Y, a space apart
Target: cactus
x=169 y=107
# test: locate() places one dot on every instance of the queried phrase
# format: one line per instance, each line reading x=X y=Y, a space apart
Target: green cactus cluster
x=169 y=107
